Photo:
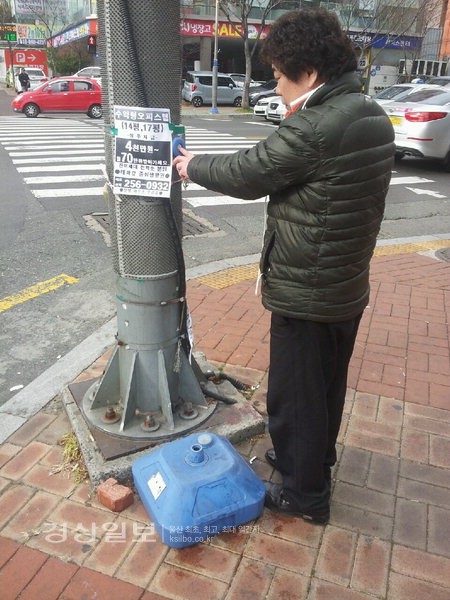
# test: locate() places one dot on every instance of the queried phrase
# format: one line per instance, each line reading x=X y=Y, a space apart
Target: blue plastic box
x=196 y=487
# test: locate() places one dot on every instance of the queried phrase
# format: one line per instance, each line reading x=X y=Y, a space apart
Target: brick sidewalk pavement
x=389 y=534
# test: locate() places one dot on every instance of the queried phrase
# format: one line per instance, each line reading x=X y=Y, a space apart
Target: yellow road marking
x=36 y=290
x=223 y=279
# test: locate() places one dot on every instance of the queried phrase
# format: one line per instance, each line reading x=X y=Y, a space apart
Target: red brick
x=114 y=496
x=415 y=446
x=410 y=524
x=30 y=516
x=19 y=571
x=7 y=451
x=381 y=388
x=371 y=566
x=23 y=461
x=371 y=371
x=203 y=559
x=282 y=553
x=7 y=549
x=12 y=500
x=287 y=585
x=417 y=391
x=142 y=562
x=90 y=584
x=439 y=531
x=50 y=580
x=75 y=515
x=428 y=411
x=394 y=375
x=440 y=452
x=440 y=396
x=418 y=361
x=31 y=428
x=252 y=580
x=421 y=565
x=320 y=590
x=294 y=530
x=115 y=544
x=372 y=441
x=180 y=583
x=42 y=478
x=409 y=588
x=335 y=560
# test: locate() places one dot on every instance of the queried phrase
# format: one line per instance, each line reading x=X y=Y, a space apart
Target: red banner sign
x=28 y=58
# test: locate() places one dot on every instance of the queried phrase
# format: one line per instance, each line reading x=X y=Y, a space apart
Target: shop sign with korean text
x=143 y=152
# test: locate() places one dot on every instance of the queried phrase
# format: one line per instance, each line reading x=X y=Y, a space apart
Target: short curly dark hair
x=309 y=38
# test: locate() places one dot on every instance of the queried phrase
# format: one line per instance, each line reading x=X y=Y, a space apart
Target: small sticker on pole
x=143 y=151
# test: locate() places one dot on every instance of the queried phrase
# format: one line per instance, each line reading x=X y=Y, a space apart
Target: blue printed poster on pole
x=143 y=151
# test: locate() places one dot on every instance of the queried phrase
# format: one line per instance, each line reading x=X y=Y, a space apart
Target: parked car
x=398 y=92
x=37 y=76
x=422 y=124
x=62 y=94
x=444 y=80
x=197 y=89
x=239 y=80
x=262 y=91
x=260 y=108
x=91 y=72
x=276 y=110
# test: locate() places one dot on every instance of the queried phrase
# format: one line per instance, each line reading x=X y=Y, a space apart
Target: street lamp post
x=215 y=65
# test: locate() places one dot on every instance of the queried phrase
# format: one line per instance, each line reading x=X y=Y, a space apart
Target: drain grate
x=193 y=225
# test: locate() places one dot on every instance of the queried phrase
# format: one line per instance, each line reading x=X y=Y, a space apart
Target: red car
x=62 y=94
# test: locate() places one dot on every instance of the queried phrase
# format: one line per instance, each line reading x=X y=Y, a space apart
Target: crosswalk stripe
x=57 y=159
x=409 y=180
x=68 y=192
x=45 y=152
x=50 y=168
x=218 y=201
x=63 y=179
x=98 y=146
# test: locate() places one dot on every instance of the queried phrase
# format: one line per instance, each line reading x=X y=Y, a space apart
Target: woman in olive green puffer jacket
x=326 y=171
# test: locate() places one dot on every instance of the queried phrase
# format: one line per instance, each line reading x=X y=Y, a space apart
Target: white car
x=91 y=72
x=421 y=123
x=37 y=76
x=239 y=79
x=399 y=91
x=259 y=110
x=276 y=110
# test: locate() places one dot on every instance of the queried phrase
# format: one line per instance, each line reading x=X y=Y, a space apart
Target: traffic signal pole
x=151 y=386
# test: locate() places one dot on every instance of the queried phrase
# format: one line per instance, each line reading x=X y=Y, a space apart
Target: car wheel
x=237 y=101
x=95 y=111
x=197 y=101
x=31 y=110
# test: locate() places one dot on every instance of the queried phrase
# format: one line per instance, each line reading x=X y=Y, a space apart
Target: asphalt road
x=44 y=237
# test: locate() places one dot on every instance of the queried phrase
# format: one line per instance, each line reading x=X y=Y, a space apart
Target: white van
x=37 y=76
x=197 y=89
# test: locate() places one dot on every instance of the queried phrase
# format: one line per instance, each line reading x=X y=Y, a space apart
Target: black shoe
x=277 y=501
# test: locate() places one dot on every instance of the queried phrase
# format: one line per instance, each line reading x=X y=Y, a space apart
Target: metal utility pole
x=150 y=388
x=215 y=65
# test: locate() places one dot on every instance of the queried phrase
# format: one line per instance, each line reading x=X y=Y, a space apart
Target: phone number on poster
x=144 y=185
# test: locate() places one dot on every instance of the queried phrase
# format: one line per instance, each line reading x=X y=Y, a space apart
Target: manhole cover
x=443 y=254
x=193 y=225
